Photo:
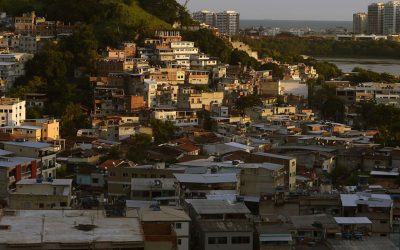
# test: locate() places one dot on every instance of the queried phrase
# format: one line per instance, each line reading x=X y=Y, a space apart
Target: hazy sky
x=286 y=9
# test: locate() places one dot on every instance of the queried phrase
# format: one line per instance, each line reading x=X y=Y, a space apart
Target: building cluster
x=227 y=22
x=381 y=19
x=379 y=93
x=30 y=33
x=168 y=80
x=261 y=176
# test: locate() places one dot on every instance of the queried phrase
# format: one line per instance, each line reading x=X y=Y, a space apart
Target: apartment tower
x=375 y=18
x=360 y=23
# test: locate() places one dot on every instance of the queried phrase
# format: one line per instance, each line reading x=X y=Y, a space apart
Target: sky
x=340 y=10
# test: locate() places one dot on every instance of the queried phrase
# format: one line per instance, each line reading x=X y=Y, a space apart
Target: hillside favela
x=199 y=125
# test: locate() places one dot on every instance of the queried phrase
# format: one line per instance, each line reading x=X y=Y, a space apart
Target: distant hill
x=113 y=20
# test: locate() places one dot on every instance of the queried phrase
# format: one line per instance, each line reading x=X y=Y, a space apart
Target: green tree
x=241 y=57
x=333 y=109
x=248 y=102
x=163 y=131
x=277 y=71
x=72 y=120
x=209 y=44
x=137 y=147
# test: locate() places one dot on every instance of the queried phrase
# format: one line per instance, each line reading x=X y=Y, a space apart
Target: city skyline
x=278 y=9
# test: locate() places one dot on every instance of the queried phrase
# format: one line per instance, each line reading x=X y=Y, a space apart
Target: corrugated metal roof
x=352 y=220
x=285 y=157
x=10 y=162
x=266 y=165
x=239 y=145
x=275 y=237
x=384 y=173
x=372 y=200
x=28 y=144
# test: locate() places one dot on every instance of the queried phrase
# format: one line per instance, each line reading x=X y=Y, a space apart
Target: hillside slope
x=113 y=20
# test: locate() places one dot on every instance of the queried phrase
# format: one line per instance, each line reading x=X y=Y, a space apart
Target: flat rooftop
x=28 y=144
x=10 y=162
x=61 y=227
x=166 y=214
x=217 y=207
x=206 y=178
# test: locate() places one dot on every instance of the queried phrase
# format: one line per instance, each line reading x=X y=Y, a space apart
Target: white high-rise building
x=360 y=23
x=12 y=111
x=391 y=19
x=375 y=18
x=204 y=16
x=228 y=22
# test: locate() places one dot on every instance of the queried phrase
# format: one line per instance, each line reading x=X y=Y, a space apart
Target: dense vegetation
x=113 y=21
x=282 y=48
x=52 y=71
x=385 y=118
x=362 y=75
x=216 y=47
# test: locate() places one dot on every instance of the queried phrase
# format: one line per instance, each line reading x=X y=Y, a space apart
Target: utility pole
x=42 y=231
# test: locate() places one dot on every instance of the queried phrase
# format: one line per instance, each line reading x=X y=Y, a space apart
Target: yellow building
x=50 y=128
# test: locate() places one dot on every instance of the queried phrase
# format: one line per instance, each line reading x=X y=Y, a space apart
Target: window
x=41 y=205
x=95 y=180
x=63 y=204
x=178 y=225
x=125 y=174
x=179 y=241
x=112 y=173
x=241 y=240
x=217 y=240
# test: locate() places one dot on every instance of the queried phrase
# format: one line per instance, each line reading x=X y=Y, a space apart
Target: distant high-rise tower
x=204 y=16
x=360 y=23
x=228 y=22
x=375 y=18
x=391 y=19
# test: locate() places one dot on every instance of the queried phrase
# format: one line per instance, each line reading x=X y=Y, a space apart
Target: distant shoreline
x=287 y=24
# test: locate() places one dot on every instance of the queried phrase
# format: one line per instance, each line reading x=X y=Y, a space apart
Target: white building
x=391 y=18
x=12 y=66
x=293 y=87
x=228 y=22
x=180 y=118
x=150 y=93
x=204 y=16
x=12 y=111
